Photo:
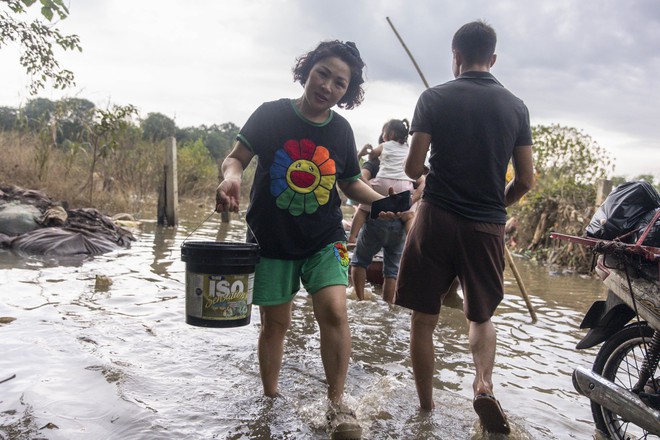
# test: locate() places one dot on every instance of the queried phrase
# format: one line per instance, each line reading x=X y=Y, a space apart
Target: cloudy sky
x=589 y=64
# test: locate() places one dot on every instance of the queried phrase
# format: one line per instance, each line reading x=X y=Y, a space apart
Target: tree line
x=94 y=156
x=113 y=159
x=71 y=120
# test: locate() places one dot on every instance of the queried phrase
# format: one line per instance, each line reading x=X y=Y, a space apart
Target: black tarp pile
x=33 y=223
x=626 y=213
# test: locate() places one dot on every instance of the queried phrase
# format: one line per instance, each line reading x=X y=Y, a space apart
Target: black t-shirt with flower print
x=295 y=209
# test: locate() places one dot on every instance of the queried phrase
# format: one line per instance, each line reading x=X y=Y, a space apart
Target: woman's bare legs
x=275 y=321
x=330 y=311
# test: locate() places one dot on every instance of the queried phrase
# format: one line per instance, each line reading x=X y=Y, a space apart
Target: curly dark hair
x=349 y=54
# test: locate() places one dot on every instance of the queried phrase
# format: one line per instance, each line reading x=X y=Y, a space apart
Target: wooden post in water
x=168 y=198
x=603 y=189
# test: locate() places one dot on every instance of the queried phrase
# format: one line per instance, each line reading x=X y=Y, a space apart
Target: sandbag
x=32 y=223
x=623 y=208
x=17 y=218
x=62 y=242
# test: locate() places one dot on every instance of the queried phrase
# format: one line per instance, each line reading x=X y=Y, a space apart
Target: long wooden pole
x=421 y=75
x=521 y=285
x=509 y=257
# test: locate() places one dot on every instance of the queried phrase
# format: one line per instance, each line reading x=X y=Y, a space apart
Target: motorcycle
x=623 y=383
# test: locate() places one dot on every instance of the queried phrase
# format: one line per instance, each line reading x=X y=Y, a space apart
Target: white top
x=392 y=158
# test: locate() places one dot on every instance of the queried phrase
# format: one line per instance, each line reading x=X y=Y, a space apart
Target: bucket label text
x=219 y=297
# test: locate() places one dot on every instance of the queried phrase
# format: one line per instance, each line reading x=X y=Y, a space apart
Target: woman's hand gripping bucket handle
x=242 y=215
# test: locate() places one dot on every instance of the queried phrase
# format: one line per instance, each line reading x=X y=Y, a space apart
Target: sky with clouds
x=587 y=64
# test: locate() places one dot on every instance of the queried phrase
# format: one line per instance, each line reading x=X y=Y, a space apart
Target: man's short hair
x=476 y=42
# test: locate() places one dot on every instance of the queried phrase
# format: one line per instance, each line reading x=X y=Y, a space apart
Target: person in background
x=368 y=169
x=389 y=236
x=473 y=126
x=391 y=153
x=306 y=150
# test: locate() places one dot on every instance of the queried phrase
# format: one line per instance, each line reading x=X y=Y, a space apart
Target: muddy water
x=118 y=361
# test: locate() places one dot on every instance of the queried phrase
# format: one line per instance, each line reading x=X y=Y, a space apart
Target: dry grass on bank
x=125 y=181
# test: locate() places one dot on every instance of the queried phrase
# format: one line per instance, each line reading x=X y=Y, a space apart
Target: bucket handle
x=242 y=215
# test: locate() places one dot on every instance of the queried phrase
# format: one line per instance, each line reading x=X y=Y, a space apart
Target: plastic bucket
x=219 y=282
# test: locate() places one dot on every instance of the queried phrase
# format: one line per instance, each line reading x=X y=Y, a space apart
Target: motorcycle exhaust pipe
x=616 y=399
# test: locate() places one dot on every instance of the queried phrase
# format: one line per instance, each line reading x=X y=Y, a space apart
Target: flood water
x=119 y=362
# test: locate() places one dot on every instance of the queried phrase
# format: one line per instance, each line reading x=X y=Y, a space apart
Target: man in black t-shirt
x=473 y=126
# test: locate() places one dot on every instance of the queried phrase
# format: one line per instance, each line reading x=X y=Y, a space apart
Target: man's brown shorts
x=442 y=246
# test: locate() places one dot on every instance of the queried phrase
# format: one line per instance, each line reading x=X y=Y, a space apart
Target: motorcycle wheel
x=619 y=361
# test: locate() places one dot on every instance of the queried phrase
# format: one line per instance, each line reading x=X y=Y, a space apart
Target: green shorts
x=277 y=281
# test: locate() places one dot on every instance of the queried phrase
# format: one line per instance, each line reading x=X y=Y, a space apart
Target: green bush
x=568 y=165
x=197 y=170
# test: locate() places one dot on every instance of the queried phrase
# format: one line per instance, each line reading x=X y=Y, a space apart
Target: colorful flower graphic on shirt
x=302 y=176
x=341 y=253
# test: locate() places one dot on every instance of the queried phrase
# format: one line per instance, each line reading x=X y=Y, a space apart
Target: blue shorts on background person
x=377 y=234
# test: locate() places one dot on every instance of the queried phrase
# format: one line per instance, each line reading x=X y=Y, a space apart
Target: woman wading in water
x=305 y=151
